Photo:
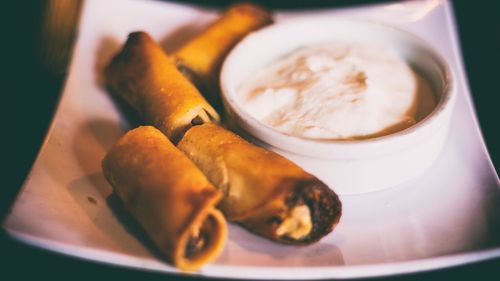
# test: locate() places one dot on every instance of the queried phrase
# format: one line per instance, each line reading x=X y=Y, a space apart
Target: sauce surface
x=337 y=90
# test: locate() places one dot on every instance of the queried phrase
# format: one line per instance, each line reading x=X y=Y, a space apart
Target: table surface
x=38 y=46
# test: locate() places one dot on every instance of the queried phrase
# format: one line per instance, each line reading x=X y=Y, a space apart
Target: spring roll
x=145 y=77
x=200 y=59
x=168 y=195
x=263 y=191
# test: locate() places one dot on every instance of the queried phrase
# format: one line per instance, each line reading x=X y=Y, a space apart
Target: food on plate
x=257 y=188
x=263 y=191
x=168 y=195
x=201 y=58
x=338 y=90
x=144 y=76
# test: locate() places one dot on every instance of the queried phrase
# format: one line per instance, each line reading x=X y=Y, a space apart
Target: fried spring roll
x=168 y=195
x=144 y=76
x=263 y=191
x=201 y=58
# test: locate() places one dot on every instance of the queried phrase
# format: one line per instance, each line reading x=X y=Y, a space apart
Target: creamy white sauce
x=334 y=91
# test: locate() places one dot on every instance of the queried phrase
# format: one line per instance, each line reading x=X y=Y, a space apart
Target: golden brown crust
x=144 y=76
x=167 y=194
x=259 y=186
x=200 y=59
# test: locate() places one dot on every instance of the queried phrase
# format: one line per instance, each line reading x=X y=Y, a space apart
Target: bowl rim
x=446 y=98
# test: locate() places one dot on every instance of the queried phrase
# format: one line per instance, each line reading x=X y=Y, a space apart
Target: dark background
x=33 y=70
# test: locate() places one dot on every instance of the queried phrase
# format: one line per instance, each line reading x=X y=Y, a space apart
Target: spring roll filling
x=199 y=240
x=203 y=117
x=196 y=243
x=308 y=213
x=325 y=208
x=297 y=223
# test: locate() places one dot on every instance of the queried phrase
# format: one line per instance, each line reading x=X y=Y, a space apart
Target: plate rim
x=258 y=272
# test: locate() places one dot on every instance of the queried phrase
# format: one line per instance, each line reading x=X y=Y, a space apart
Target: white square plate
x=448 y=216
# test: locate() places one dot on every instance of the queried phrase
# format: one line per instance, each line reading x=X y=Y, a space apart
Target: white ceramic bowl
x=349 y=167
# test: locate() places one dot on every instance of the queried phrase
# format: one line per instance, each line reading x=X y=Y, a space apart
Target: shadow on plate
x=93 y=194
x=268 y=253
x=107 y=48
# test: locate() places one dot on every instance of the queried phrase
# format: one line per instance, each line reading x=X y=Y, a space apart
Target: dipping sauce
x=338 y=90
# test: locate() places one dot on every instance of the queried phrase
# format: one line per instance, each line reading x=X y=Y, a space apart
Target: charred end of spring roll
x=263 y=191
x=200 y=59
x=168 y=195
x=147 y=79
x=304 y=212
